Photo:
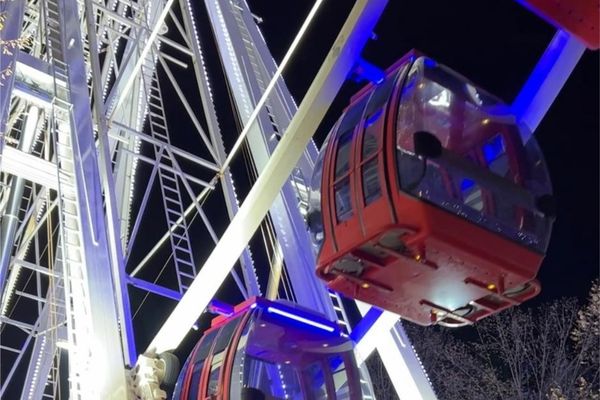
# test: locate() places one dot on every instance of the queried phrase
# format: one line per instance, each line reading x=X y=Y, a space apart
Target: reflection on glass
x=340 y=377
x=476 y=126
x=472 y=194
x=342 y=163
x=314 y=216
x=343 y=201
x=370 y=182
x=317 y=382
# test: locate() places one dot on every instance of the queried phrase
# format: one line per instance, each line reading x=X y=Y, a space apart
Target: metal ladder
x=58 y=314
x=28 y=194
x=71 y=255
x=56 y=318
x=258 y=72
x=342 y=320
x=53 y=380
x=296 y=178
x=70 y=250
x=341 y=317
x=169 y=185
x=43 y=380
x=301 y=188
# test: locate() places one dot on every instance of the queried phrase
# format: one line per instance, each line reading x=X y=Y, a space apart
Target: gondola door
x=341 y=185
x=233 y=384
x=217 y=364
x=373 y=199
x=192 y=382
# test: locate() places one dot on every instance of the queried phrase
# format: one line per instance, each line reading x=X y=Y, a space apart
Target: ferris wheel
x=121 y=164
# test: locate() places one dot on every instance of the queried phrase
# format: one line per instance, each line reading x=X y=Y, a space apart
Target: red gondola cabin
x=425 y=201
x=269 y=350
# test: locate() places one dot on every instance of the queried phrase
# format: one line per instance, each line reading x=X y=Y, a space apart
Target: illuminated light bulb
x=364 y=285
x=485 y=121
x=418 y=257
x=491 y=286
x=325 y=345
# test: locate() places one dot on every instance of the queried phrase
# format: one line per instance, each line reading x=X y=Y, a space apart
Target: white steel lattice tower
x=88 y=90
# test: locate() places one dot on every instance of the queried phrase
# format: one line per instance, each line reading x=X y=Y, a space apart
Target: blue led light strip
x=298 y=318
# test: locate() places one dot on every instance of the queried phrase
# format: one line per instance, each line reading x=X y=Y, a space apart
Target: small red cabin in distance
x=579 y=17
x=267 y=350
x=425 y=201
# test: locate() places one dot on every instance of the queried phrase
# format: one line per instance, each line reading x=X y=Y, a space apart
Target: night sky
x=496 y=45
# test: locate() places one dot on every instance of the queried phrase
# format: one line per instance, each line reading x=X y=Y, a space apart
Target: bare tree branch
x=549 y=352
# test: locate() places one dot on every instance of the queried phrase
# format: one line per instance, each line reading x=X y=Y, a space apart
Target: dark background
x=496 y=45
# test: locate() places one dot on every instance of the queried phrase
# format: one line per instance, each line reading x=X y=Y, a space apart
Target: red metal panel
x=345 y=231
x=447 y=253
x=225 y=378
x=185 y=390
x=578 y=17
x=329 y=245
x=380 y=212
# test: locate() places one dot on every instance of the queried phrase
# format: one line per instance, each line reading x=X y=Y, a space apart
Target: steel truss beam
x=118 y=23
x=332 y=74
x=37 y=85
x=546 y=80
x=248 y=66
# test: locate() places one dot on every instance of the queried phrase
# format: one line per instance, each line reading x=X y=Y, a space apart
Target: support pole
x=341 y=58
x=383 y=332
x=546 y=81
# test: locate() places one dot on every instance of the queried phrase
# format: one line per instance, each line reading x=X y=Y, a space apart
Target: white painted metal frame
x=546 y=80
x=126 y=130
x=114 y=30
x=265 y=107
x=335 y=68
